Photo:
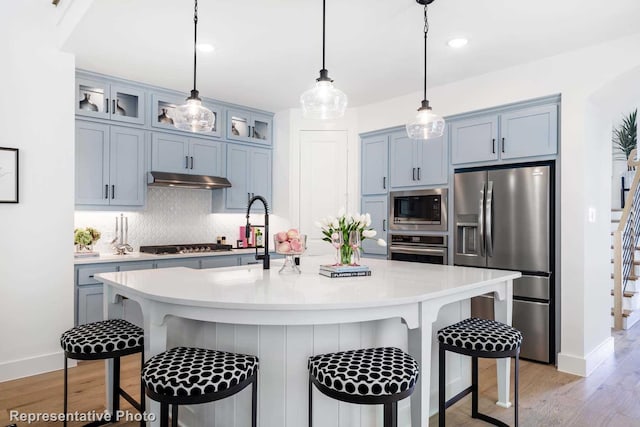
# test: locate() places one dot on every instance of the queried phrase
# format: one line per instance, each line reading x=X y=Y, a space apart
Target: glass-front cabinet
x=103 y=100
x=249 y=126
x=163 y=113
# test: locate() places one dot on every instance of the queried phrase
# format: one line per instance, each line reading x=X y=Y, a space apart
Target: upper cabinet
x=474 y=140
x=529 y=132
x=375 y=164
x=179 y=154
x=104 y=100
x=508 y=134
x=248 y=126
x=109 y=165
x=163 y=113
x=416 y=162
x=391 y=160
x=249 y=171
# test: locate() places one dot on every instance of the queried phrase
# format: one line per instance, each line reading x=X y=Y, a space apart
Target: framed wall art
x=8 y=175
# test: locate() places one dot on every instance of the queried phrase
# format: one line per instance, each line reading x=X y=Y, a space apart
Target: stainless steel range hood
x=183 y=180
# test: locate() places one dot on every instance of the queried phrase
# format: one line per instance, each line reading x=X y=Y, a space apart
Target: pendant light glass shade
x=425 y=124
x=193 y=116
x=324 y=101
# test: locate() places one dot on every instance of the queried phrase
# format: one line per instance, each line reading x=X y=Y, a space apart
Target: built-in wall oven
x=430 y=249
x=418 y=210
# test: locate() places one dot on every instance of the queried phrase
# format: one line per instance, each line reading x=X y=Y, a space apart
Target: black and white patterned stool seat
x=481 y=335
x=366 y=372
x=188 y=371
x=108 y=336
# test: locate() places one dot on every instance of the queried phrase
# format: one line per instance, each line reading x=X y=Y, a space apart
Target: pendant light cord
x=323 y=29
x=426 y=30
x=195 y=41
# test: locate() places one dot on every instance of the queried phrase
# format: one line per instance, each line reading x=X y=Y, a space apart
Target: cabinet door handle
x=384 y=182
x=186 y=162
x=418 y=174
x=107 y=105
x=413 y=174
x=252 y=131
x=113 y=191
x=113 y=110
x=503 y=145
x=106 y=191
x=384 y=225
x=191 y=162
x=493 y=146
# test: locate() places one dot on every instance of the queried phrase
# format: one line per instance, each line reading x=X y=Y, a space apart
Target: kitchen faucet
x=265 y=257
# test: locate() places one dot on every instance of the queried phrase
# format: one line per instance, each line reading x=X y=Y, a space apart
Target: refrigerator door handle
x=481 y=221
x=489 y=218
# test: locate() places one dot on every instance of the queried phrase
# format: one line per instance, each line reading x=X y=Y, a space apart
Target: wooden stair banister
x=625 y=242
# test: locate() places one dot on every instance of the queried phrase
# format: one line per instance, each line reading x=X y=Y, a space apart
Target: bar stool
x=188 y=376
x=477 y=338
x=371 y=376
x=108 y=339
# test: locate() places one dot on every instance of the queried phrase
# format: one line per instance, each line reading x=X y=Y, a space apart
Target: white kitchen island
x=284 y=318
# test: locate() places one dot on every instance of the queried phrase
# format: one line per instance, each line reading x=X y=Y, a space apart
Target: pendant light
x=426 y=124
x=324 y=101
x=193 y=116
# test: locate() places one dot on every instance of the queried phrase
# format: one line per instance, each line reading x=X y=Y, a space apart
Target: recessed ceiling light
x=205 y=47
x=457 y=42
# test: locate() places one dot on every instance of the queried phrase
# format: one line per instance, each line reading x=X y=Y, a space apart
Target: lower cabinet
x=377 y=207
x=219 y=261
x=89 y=301
x=185 y=262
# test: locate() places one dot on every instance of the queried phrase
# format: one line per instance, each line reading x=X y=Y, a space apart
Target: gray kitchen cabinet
x=375 y=164
x=377 y=207
x=249 y=126
x=474 y=140
x=88 y=292
x=179 y=154
x=163 y=107
x=504 y=134
x=249 y=171
x=89 y=304
x=529 y=132
x=103 y=99
x=220 y=261
x=417 y=163
x=249 y=259
x=109 y=162
x=179 y=262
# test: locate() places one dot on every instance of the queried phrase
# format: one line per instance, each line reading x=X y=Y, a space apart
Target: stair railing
x=626 y=239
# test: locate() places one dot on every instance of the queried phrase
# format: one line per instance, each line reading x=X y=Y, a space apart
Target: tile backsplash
x=171 y=216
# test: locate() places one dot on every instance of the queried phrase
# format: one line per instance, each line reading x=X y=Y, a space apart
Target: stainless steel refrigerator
x=504 y=220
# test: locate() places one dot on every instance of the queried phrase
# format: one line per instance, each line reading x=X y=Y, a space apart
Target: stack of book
x=344 y=270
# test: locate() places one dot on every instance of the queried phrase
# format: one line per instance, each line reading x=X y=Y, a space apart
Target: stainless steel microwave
x=418 y=210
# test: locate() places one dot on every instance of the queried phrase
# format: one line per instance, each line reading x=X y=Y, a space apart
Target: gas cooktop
x=185 y=248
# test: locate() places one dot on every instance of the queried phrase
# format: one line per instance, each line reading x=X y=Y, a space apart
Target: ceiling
x=268 y=52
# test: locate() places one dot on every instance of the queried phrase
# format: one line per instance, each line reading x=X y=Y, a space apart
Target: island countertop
x=251 y=287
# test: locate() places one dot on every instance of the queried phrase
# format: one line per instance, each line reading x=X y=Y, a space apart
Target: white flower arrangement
x=345 y=224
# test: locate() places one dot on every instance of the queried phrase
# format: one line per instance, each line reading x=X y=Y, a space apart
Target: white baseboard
x=584 y=366
x=15 y=369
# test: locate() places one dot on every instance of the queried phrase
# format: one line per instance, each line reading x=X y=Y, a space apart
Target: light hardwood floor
x=609 y=397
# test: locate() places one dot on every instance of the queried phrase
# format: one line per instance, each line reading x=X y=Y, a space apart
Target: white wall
x=36 y=261
x=585 y=249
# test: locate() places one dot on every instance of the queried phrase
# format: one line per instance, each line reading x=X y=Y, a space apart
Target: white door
x=323 y=182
